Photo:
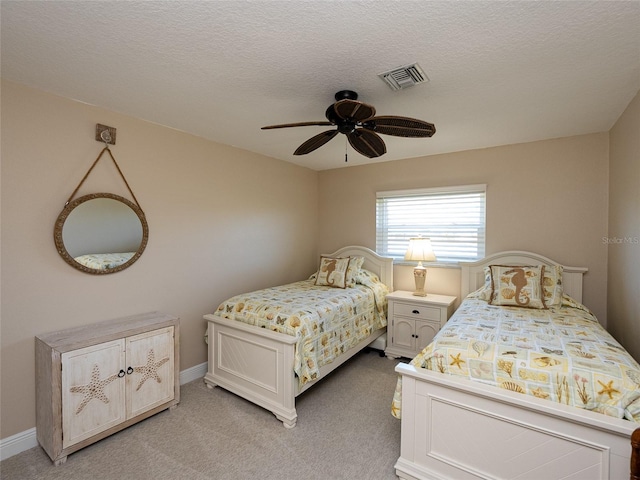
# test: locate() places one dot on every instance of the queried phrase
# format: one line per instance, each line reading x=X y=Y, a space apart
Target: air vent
x=404 y=77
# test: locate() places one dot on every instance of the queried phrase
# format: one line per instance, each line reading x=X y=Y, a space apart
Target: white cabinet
x=95 y=380
x=414 y=321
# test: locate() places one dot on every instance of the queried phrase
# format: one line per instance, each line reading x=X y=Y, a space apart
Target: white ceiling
x=501 y=72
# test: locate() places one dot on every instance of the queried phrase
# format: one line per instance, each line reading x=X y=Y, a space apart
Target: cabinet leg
x=60 y=461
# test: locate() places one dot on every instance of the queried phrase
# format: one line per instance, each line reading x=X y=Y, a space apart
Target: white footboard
x=455 y=429
x=254 y=363
x=257 y=364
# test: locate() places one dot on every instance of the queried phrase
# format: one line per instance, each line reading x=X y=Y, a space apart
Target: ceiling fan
x=358 y=122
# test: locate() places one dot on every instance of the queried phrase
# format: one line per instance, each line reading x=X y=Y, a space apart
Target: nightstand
x=413 y=321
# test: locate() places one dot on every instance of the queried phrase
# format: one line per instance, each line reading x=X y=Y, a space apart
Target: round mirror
x=101 y=233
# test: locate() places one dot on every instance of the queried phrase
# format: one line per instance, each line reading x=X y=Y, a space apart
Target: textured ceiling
x=500 y=72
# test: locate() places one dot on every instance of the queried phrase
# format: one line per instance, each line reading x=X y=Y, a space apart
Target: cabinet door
x=403 y=333
x=425 y=331
x=150 y=368
x=92 y=392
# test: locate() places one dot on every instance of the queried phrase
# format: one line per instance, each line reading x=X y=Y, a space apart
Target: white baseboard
x=22 y=441
x=193 y=373
x=17 y=443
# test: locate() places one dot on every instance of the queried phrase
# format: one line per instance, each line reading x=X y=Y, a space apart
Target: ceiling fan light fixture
x=404 y=77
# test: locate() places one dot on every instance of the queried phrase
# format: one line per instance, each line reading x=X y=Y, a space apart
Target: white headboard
x=381 y=266
x=473 y=272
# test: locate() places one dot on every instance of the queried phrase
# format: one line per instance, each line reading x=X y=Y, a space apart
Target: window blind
x=453 y=217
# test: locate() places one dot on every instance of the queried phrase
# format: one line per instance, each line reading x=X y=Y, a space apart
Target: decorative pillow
x=353 y=271
x=484 y=292
x=552 y=286
x=567 y=301
x=368 y=278
x=333 y=272
x=517 y=286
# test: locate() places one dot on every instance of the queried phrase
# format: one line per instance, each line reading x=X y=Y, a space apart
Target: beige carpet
x=345 y=431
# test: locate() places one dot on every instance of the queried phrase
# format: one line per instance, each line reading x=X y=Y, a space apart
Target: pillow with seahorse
x=517 y=286
x=333 y=272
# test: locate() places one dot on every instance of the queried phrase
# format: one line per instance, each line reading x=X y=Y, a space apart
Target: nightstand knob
x=416 y=312
x=121 y=374
x=129 y=371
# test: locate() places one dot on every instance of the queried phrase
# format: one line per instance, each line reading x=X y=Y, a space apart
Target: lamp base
x=420 y=275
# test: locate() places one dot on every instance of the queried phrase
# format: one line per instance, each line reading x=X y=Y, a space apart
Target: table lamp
x=420 y=250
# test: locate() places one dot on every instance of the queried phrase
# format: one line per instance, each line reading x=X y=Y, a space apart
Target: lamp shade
x=420 y=250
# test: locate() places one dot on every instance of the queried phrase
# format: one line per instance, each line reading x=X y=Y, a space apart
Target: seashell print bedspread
x=327 y=321
x=563 y=355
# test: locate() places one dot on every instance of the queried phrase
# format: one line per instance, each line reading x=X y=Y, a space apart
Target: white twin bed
x=454 y=428
x=258 y=363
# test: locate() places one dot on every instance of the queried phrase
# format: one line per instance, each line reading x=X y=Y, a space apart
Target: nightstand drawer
x=422 y=312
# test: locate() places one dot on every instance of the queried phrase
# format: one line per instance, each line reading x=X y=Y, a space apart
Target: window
x=453 y=217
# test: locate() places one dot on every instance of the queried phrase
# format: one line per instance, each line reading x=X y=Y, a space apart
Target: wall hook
x=105 y=134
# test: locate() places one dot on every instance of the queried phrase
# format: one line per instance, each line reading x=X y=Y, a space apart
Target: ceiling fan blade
x=367 y=143
x=315 y=142
x=400 y=126
x=354 y=110
x=299 y=124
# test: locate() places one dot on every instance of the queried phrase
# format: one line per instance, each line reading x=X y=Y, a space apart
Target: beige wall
x=221 y=221
x=548 y=197
x=623 y=302
x=207 y=204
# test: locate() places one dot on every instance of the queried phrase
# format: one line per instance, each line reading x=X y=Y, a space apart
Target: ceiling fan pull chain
x=345 y=150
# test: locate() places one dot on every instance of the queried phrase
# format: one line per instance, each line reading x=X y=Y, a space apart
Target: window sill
x=403 y=263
